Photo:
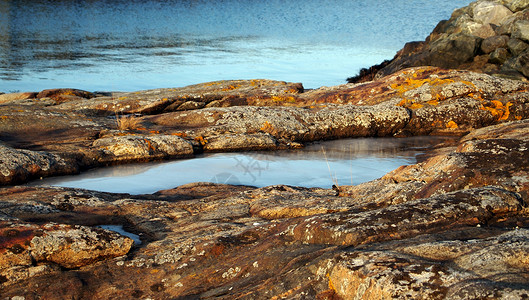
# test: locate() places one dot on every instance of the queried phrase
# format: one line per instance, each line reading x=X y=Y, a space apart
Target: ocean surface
x=128 y=45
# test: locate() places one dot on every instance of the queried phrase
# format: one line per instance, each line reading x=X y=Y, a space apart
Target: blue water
x=139 y=44
x=340 y=162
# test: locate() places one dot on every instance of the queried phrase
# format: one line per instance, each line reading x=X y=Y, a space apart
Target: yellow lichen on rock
x=289 y=99
x=499 y=110
x=201 y=140
x=267 y=127
x=452 y=125
x=411 y=104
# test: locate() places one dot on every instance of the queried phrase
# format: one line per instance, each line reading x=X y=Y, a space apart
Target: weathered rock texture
x=66 y=131
x=452 y=226
x=490 y=36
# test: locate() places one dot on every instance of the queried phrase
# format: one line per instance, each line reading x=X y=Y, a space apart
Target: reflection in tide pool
x=349 y=161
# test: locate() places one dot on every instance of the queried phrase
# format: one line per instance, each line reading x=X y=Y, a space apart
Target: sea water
x=129 y=45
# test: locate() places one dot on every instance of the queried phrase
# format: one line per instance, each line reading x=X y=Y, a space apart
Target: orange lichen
x=291 y=90
x=255 y=82
x=267 y=127
x=180 y=134
x=154 y=131
x=231 y=87
x=436 y=100
x=283 y=99
x=410 y=83
x=201 y=140
x=437 y=123
x=331 y=285
x=499 y=110
x=452 y=125
x=411 y=104
x=149 y=145
x=4 y=117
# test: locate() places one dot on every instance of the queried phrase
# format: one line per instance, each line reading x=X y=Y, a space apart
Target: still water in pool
x=348 y=161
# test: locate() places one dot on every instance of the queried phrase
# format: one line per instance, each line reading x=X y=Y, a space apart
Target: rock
x=521 y=30
x=499 y=56
x=445 y=227
x=63 y=95
x=479 y=30
x=521 y=63
x=487 y=12
x=18 y=165
x=26 y=245
x=187 y=98
x=241 y=142
x=191 y=105
x=413 y=101
x=516 y=46
x=77 y=246
x=134 y=147
x=6 y=98
x=517 y=5
x=416 y=271
x=457 y=43
x=492 y=43
x=455 y=50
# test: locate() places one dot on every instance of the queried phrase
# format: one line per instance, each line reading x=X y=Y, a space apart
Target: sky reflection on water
x=349 y=161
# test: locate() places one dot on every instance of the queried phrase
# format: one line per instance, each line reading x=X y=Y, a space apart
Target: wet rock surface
x=486 y=36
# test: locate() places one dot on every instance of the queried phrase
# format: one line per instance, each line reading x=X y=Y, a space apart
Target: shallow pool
x=345 y=162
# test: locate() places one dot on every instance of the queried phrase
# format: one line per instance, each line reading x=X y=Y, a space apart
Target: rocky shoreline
x=485 y=36
x=454 y=225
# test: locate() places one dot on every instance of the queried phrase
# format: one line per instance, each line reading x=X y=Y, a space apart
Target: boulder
x=499 y=56
x=64 y=95
x=19 y=165
x=137 y=147
x=517 y=5
x=77 y=246
x=494 y=42
x=521 y=63
x=28 y=245
x=460 y=42
x=521 y=30
x=477 y=29
x=516 y=46
x=487 y=12
x=6 y=98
